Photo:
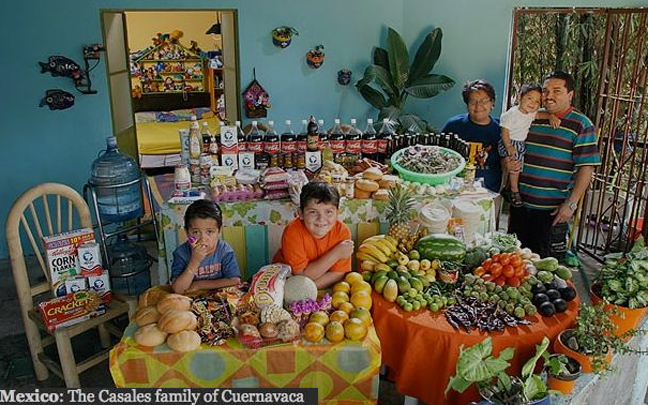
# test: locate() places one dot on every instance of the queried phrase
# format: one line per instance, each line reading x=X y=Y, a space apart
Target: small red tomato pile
x=503 y=268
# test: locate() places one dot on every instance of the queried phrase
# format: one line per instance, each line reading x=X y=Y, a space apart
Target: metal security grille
x=607 y=51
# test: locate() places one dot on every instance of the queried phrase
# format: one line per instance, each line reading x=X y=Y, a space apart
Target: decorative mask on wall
x=57 y=99
x=59 y=65
x=256 y=99
x=344 y=76
x=282 y=36
x=315 y=57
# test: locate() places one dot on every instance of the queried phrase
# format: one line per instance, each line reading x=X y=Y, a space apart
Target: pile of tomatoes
x=503 y=269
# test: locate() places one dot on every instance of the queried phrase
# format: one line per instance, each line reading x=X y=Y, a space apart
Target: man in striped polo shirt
x=558 y=167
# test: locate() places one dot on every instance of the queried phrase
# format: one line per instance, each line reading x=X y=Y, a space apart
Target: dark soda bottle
x=255 y=145
x=369 y=147
x=324 y=142
x=299 y=158
x=271 y=146
x=240 y=135
x=338 y=142
x=288 y=146
x=353 y=145
x=385 y=139
x=312 y=135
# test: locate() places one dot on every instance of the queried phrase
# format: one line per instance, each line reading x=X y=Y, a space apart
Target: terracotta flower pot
x=630 y=318
x=565 y=383
x=584 y=360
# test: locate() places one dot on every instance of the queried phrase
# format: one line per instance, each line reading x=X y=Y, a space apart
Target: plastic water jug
x=129 y=266
x=115 y=178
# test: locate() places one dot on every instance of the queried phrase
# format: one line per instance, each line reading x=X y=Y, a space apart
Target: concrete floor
x=15 y=363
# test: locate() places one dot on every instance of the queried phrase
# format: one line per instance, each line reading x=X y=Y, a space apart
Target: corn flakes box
x=61 y=252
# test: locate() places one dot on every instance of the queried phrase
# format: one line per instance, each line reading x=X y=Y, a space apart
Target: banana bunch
x=376 y=250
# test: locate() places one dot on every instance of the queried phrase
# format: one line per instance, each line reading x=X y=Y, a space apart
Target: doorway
x=164 y=66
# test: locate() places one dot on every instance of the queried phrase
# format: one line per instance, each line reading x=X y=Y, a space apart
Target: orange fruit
x=361 y=299
x=346 y=307
x=320 y=317
x=353 y=277
x=363 y=314
x=355 y=329
x=338 y=298
x=338 y=316
x=314 y=332
x=360 y=286
x=342 y=286
x=335 y=332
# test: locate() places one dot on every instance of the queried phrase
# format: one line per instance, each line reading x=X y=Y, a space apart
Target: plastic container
x=115 y=178
x=129 y=267
x=434 y=217
x=428 y=178
x=470 y=214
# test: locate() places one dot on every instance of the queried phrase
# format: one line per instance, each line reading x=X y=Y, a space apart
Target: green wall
x=39 y=145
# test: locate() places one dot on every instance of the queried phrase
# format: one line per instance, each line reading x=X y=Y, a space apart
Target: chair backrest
x=46 y=209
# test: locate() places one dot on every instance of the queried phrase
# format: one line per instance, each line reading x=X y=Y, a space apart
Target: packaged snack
x=267 y=286
x=70 y=309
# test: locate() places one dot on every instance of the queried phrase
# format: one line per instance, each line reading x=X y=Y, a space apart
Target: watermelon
x=442 y=247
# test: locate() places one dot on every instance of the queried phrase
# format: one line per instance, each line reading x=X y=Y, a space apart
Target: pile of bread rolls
x=372 y=183
x=166 y=317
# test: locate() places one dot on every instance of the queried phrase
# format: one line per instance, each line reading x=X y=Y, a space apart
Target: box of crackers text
x=61 y=251
x=70 y=309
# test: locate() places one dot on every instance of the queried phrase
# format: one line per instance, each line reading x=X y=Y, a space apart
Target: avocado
x=553 y=294
x=538 y=288
x=567 y=293
x=560 y=305
x=538 y=299
x=547 y=309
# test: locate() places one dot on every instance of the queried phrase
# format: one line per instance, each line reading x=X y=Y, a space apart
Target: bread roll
x=268 y=330
x=372 y=173
x=184 y=341
x=381 y=194
x=175 y=302
x=388 y=181
x=153 y=295
x=150 y=335
x=146 y=316
x=175 y=321
x=357 y=193
x=366 y=185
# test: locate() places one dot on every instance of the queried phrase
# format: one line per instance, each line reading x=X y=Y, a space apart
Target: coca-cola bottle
x=369 y=147
x=324 y=142
x=385 y=139
x=299 y=159
x=312 y=135
x=240 y=135
x=255 y=145
x=271 y=146
x=353 y=144
x=288 y=146
x=338 y=142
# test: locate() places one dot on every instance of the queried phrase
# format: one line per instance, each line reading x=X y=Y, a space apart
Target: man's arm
x=582 y=181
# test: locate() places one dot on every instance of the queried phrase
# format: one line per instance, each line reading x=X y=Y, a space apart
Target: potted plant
x=562 y=372
x=476 y=365
x=315 y=57
x=282 y=36
x=394 y=79
x=623 y=282
x=593 y=339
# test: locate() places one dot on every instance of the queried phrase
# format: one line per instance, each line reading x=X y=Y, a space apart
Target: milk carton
x=62 y=258
x=75 y=284
x=90 y=259
x=101 y=285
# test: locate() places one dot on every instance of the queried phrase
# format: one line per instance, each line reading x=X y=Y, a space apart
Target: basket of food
x=427 y=164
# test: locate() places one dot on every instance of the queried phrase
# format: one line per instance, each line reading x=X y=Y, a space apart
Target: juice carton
x=62 y=257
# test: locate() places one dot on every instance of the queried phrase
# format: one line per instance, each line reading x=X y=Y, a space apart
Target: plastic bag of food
x=267 y=286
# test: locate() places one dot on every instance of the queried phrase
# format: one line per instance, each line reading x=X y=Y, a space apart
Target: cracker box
x=101 y=285
x=61 y=254
x=70 y=309
x=90 y=259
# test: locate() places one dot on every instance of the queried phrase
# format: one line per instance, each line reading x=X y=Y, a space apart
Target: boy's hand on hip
x=562 y=214
x=345 y=248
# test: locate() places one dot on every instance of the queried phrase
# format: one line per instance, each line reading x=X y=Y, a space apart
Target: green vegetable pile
x=624 y=280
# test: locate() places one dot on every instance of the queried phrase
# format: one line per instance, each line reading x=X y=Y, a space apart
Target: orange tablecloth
x=344 y=373
x=421 y=349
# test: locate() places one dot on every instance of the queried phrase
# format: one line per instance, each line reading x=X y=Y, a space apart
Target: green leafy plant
x=477 y=365
x=594 y=335
x=623 y=279
x=395 y=80
x=555 y=364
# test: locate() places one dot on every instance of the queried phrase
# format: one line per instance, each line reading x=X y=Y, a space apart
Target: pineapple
x=399 y=212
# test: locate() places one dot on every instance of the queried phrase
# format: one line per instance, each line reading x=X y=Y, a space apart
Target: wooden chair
x=47 y=209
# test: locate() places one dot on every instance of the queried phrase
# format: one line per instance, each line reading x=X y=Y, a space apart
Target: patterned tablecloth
x=344 y=373
x=254 y=228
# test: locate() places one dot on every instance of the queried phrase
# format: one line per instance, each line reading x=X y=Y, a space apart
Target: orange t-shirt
x=299 y=247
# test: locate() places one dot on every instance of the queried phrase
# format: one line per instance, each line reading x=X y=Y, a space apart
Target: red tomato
x=479 y=271
x=508 y=271
x=496 y=270
x=488 y=277
x=495 y=257
x=519 y=271
x=504 y=259
x=513 y=282
x=487 y=263
x=500 y=281
x=515 y=261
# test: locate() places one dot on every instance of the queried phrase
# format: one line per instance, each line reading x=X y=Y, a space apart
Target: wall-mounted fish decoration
x=57 y=99
x=61 y=66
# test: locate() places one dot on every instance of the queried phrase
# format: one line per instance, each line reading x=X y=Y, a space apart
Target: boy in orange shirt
x=317 y=244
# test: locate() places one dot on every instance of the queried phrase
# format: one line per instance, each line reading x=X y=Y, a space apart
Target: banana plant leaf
x=427 y=54
x=429 y=86
x=398 y=58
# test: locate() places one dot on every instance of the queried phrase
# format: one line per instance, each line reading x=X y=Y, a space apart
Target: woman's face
x=479 y=107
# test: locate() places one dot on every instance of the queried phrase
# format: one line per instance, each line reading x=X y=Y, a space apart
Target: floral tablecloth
x=254 y=228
